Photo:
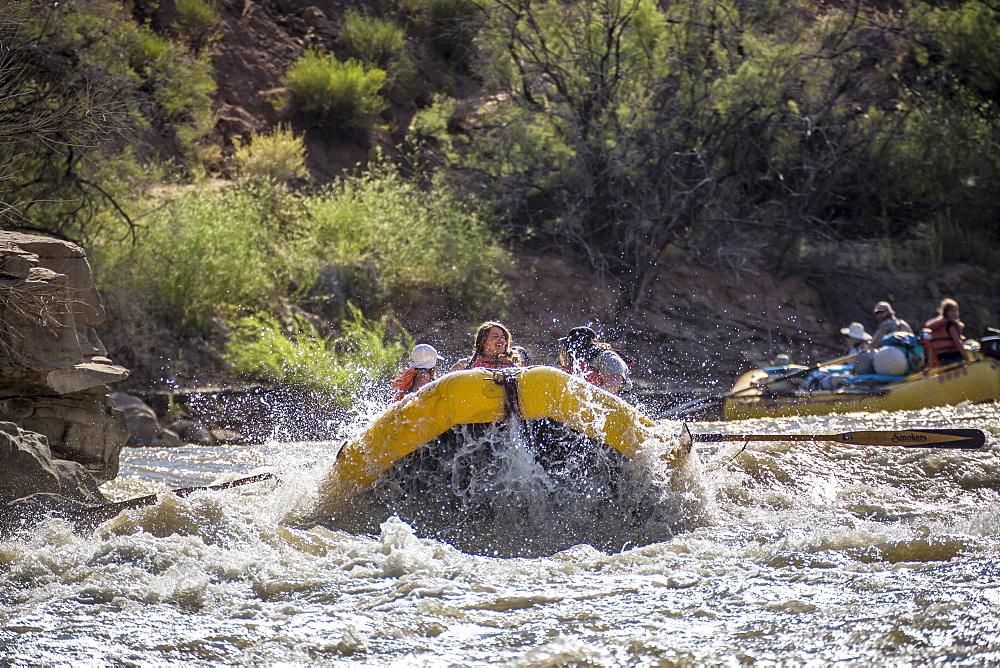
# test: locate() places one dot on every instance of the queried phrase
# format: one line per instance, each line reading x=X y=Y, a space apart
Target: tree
x=53 y=111
x=616 y=128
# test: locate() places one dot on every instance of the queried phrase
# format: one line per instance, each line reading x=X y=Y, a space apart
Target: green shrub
x=344 y=93
x=371 y=38
x=196 y=21
x=208 y=252
x=950 y=241
x=181 y=86
x=298 y=355
x=278 y=156
x=419 y=238
x=451 y=24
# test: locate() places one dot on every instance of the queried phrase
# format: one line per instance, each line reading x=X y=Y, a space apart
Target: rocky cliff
x=60 y=433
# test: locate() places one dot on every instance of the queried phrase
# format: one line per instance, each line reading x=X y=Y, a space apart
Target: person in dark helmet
x=582 y=354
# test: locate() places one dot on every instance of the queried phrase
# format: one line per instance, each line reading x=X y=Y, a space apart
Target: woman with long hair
x=491 y=349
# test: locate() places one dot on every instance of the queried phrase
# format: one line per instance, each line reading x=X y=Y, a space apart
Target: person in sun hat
x=887 y=322
x=857 y=338
x=421 y=370
x=582 y=354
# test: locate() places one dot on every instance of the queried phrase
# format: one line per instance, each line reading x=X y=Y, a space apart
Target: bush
x=180 y=86
x=451 y=24
x=298 y=355
x=345 y=93
x=279 y=156
x=948 y=241
x=209 y=252
x=372 y=39
x=196 y=21
x=419 y=238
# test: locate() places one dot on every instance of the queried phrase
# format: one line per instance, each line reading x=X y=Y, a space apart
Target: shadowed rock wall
x=54 y=373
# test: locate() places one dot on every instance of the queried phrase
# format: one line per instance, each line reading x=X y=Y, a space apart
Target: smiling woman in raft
x=491 y=349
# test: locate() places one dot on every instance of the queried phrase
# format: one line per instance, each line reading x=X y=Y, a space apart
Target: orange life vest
x=490 y=362
x=940 y=341
x=404 y=382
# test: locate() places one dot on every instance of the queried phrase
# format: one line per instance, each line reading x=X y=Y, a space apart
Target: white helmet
x=424 y=356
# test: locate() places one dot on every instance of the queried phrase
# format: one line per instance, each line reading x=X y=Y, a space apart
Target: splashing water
x=786 y=554
x=518 y=489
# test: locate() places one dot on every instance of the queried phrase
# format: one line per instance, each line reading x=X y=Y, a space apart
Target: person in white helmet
x=421 y=370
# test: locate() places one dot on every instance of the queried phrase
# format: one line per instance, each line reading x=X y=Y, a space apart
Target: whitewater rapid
x=799 y=553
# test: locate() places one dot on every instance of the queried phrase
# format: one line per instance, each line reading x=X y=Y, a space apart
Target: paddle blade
x=958 y=439
x=953 y=439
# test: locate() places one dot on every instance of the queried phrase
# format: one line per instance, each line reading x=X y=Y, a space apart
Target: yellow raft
x=477 y=396
x=976 y=382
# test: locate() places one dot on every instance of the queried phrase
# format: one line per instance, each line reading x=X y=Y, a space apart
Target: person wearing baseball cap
x=887 y=322
x=421 y=370
x=582 y=354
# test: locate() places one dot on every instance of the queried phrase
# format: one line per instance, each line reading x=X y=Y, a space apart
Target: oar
x=701 y=403
x=98 y=514
x=952 y=439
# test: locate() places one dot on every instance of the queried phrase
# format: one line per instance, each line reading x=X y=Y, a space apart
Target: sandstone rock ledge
x=54 y=374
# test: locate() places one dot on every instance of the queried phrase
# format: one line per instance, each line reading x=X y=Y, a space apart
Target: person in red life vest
x=422 y=370
x=583 y=355
x=942 y=336
x=491 y=349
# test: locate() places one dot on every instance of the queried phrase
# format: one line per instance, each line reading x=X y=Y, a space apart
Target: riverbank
x=696 y=329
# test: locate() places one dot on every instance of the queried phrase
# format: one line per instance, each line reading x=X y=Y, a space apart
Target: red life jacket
x=581 y=368
x=940 y=341
x=490 y=362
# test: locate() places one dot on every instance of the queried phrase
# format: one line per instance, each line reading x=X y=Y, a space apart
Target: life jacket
x=403 y=383
x=940 y=341
x=490 y=362
x=581 y=368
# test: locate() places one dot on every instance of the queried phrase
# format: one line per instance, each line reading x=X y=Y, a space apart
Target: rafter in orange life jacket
x=941 y=342
x=403 y=384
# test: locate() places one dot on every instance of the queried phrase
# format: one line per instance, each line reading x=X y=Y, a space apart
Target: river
x=782 y=553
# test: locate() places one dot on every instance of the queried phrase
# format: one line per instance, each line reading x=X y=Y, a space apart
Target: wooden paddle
x=952 y=439
x=703 y=403
x=98 y=514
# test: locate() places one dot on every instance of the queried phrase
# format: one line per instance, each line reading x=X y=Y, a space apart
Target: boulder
x=26 y=512
x=26 y=462
x=144 y=429
x=193 y=432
